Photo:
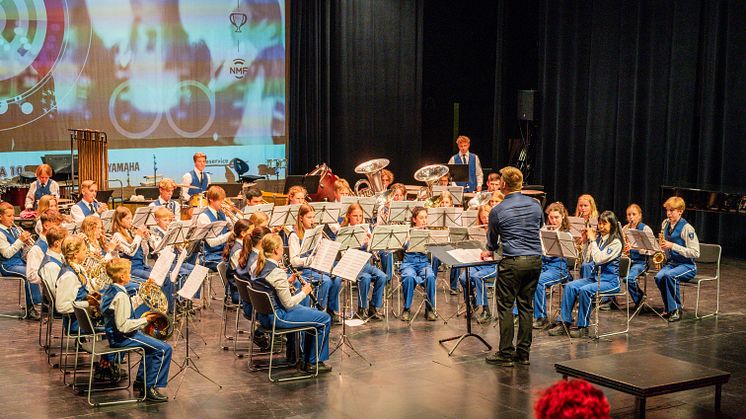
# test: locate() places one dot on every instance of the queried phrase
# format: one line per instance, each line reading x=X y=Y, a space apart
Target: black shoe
x=484 y=317
x=430 y=316
x=323 y=368
x=137 y=386
x=541 y=323
x=558 y=330
x=522 y=360
x=453 y=291
x=153 y=395
x=32 y=314
x=499 y=360
x=665 y=315
x=605 y=306
x=405 y=316
x=374 y=314
x=580 y=332
x=362 y=313
x=675 y=316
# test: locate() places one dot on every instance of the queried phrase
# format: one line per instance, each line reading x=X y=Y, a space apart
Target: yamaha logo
x=239 y=68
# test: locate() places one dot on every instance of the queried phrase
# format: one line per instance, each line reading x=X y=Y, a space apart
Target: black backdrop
x=634 y=94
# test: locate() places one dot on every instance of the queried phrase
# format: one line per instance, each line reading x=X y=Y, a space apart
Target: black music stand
x=458 y=172
x=441 y=252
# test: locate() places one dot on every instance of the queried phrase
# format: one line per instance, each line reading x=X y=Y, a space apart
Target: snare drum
x=198 y=200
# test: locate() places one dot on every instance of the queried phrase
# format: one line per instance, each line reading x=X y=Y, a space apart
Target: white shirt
x=691 y=245
x=54 y=189
x=175 y=207
x=122 y=308
x=129 y=249
x=294 y=246
x=49 y=272
x=10 y=249
x=187 y=180
x=609 y=253
x=252 y=268
x=204 y=219
x=477 y=164
x=67 y=289
x=234 y=258
x=33 y=262
x=279 y=281
x=78 y=215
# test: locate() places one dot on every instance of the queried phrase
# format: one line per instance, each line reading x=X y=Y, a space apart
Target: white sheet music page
x=352 y=262
x=466 y=255
x=162 y=265
x=310 y=238
x=179 y=262
x=326 y=254
x=193 y=282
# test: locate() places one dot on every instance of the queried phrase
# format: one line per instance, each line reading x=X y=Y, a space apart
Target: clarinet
x=312 y=295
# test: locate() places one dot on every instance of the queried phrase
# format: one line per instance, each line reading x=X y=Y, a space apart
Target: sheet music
x=265 y=208
x=458 y=234
x=353 y=261
x=457 y=193
x=284 y=215
x=324 y=256
x=144 y=217
x=310 y=239
x=577 y=225
x=477 y=233
x=106 y=219
x=162 y=265
x=469 y=218
x=197 y=232
x=643 y=241
x=439 y=237
x=388 y=237
x=193 y=282
x=367 y=203
x=352 y=236
x=215 y=229
x=196 y=211
x=436 y=217
x=326 y=212
x=179 y=262
x=418 y=240
x=466 y=255
x=557 y=243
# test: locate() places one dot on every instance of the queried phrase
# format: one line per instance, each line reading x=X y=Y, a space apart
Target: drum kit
x=13 y=192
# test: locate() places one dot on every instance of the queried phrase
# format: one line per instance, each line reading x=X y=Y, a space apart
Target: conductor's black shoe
x=405 y=316
x=675 y=316
x=558 y=330
x=500 y=361
x=484 y=317
x=374 y=314
x=430 y=316
x=580 y=332
x=323 y=368
x=541 y=323
x=153 y=395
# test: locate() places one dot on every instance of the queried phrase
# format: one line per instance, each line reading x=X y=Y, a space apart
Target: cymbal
x=183 y=185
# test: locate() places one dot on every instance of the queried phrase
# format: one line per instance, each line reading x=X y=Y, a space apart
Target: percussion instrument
x=93 y=156
x=198 y=200
x=326 y=183
x=15 y=195
x=64 y=205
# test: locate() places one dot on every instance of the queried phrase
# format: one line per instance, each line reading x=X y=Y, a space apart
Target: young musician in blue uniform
x=43 y=185
x=328 y=289
x=123 y=331
x=553 y=268
x=638 y=261
x=398 y=193
x=417 y=270
x=13 y=241
x=198 y=178
x=605 y=250
x=476 y=176
x=586 y=209
x=247 y=260
x=35 y=256
x=681 y=245
x=479 y=274
x=232 y=253
x=288 y=308
x=370 y=273
x=165 y=199
x=87 y=204
x=131 y=242
x=50 y=266
x=214 y=246
x=73 y=284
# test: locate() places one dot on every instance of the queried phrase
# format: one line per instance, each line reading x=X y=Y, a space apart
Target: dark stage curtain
x=355 y=84
x=637 y=94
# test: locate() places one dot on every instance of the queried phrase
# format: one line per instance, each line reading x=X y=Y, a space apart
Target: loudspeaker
x=526 y=104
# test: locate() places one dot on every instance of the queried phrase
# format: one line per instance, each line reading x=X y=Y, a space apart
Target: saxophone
x=659 y=257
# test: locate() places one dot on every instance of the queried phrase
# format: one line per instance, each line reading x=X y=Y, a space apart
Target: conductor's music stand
x=442 y=253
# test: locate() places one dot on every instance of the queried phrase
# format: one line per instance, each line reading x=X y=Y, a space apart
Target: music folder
x=144 y=216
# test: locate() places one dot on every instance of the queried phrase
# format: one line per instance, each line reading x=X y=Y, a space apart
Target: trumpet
x=231 y=211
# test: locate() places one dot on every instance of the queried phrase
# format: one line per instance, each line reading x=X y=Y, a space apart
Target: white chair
x=709 y=258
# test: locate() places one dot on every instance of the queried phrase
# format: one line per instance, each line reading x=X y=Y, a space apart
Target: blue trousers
x=305 y=316
x=583 y=291
x=387 y=263
x=157 y=358
x=327 y=293
x=635 y=270
x=667 y=280
x=547 y=278
x=32 y=291
x=370 y=274
x=413 y=274
x=455 y=274
x=586 y=270
x=478 y=274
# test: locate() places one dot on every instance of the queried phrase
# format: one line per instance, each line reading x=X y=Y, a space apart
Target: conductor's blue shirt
x=515 y=222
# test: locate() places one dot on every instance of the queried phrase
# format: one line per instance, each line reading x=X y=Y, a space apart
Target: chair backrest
x=85 y=325
x=261 y=301
x=243 y=291
x=624 y=263
x=223 y=272
x=709 y=253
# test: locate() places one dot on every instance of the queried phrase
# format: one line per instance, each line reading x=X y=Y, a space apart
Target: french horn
x=151 y=295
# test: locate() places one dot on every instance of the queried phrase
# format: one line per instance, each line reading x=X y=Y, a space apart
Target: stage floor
x=412 y=375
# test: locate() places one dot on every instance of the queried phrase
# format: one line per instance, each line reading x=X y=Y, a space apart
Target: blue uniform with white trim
x=471 y=185
x=417 y=270
x=553 y=271
x=680 y=265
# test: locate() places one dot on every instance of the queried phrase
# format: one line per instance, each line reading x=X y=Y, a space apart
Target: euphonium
x=163 y=326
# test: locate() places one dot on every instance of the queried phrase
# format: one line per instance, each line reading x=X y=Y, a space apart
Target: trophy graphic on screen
x=238 y=20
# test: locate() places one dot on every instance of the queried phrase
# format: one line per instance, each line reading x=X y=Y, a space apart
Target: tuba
x=163 y=326
x=429 y=174
x=481 y=198
x=372 y=170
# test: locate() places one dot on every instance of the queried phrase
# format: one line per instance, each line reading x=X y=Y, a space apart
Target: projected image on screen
x=163 y=78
